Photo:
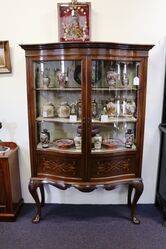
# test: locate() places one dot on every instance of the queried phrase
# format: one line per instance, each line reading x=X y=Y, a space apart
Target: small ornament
x=62 y=78
x=73 y=113
x=111 y=76
x=111 y=108
x=97 y=141
x=64 y=110
x=46 y=78
x=123 y=107
x=129 y=138
x=79 y=108
x=78 y=141
x=130 y=107
x=73 y=109
x=48 y=111
x=94 y=109
x=45 y=138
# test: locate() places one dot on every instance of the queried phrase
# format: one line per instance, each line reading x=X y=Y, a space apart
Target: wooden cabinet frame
x=88 y=170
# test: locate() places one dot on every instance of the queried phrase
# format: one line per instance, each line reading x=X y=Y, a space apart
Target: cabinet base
x=11 y=215
x=38 y=183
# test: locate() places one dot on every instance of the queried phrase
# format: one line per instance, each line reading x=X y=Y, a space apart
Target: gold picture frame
x=5 y=63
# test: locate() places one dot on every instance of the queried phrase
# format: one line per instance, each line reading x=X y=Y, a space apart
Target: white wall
x=117 y=21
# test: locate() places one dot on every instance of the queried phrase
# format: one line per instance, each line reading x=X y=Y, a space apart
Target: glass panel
x=114 y=105
x=58 y=105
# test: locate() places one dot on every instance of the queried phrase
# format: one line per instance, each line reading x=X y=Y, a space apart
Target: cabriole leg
x=42 y=194
x=130 y=190
x=33 y=185
x=138 y=186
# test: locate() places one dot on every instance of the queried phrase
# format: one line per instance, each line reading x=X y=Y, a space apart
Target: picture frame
x=74 y=21
x=5 y=63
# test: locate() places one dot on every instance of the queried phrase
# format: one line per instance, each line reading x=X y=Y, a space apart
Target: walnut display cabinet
x=86 y=104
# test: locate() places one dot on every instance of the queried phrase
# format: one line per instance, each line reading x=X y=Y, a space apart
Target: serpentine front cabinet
x=86 y=104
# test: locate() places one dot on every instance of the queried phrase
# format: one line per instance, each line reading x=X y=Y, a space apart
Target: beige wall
x=117 y=21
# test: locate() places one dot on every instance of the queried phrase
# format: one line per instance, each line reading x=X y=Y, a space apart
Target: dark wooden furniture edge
x=135 y=183
x=11 y=216
x=101 y=45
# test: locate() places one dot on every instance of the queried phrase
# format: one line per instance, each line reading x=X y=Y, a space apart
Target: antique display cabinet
x=86 y=104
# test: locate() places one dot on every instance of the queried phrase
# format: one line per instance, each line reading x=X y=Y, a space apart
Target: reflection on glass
x=58 y=105
x=114 y=89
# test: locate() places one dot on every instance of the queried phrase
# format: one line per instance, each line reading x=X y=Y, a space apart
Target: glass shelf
x=58 y=89
x=130 y=88
x=119 y=149
x=58 y=120
x=52 y=147
x=112 y=120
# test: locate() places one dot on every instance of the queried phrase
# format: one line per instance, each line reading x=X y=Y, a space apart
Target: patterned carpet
x=84 y=227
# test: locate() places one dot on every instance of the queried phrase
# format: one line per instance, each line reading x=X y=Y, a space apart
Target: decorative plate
x=64 y=143
x=112 y=143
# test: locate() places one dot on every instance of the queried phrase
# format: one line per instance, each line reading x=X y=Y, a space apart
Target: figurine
x=123 y=106
x=73 y=109
x=62 y=78
x=45 y=138
x=79 y=108
x=94 y=109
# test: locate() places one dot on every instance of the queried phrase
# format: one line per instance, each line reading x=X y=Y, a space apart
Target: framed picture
x=74 y=21
x=5 y=64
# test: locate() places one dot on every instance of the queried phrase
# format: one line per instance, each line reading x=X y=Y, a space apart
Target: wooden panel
x=2 y=190
x=59 y=166
x=114 y=166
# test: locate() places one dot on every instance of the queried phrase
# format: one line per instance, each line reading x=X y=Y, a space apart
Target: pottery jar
x=64 y=110
x=45 y=138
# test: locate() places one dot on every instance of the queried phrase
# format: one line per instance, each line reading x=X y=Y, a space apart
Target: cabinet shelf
x=119 y=149
x=114 y=89
x=52 y=147
x=58 y=89
x=58 y=120
x=95 y=121
x=115 y=120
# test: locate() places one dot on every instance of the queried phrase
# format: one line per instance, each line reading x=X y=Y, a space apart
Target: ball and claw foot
x=36 y=219
x=135 y=220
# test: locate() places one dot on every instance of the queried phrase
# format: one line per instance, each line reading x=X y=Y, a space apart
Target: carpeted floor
x=85 y=227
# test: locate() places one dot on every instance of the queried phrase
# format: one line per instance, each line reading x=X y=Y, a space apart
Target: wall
x=117 y=21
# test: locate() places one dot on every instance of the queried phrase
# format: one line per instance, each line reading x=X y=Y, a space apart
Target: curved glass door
x=114 y=105
x=58 y=88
